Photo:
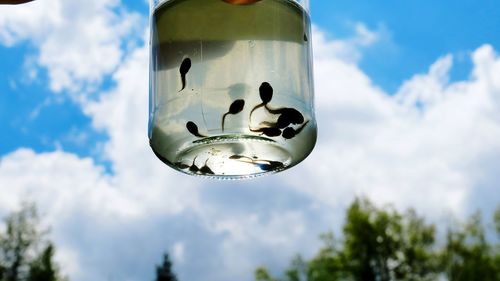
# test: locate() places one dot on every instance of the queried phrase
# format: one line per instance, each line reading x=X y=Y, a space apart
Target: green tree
x=328 y=265
x=261 y=274
x=372 y=238
x=296 y=271
x=467 y=254
x=417 y=256
x=382 y=244
x=164 y=271
x=20 y=236
x=25 y=253
x=43 y=268
x=496 y=221
x=378 y=244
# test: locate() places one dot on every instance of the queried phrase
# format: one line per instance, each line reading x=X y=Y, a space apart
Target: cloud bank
x=434 y=145
x=77 y=43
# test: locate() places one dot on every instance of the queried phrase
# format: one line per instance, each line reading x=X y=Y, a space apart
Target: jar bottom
x=236 y=156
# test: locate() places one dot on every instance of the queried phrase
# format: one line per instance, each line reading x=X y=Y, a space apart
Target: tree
x=467 y=254
x=164 y=271
x=25 y=253
x=417 y=259
x=381 y=244
x=261 y=274
x=21 y=236
x=328 y=265
x=496 y=221
x=296 y=271
x=43 y=268
x=372 y=238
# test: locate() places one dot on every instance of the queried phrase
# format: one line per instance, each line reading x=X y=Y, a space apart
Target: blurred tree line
x=164 y=271
x=27 y=255
x=378 y=244
x=25 y=252
x=381 y=244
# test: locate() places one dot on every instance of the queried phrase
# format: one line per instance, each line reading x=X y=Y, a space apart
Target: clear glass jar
x=231 y=86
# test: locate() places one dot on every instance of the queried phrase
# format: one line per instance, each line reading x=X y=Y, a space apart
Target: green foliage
x=297 y=270
x=371 y=241
x=43 y=268
x=496 y=220
x=164 y=271
x=380 y=244
x=467 y=255
x=20 y=256
x=328 y=265
x=261 y=274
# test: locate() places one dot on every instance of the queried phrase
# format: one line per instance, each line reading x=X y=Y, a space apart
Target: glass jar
x=231 y=86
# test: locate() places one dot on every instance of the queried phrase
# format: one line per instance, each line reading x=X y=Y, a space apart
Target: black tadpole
x=235 y=108
x=266 y=94
x=238 y=157
x=287 y=116
x=290 y=116
x=288 y=113
x=185 y=66
x=206 y=170
x=268 y=131
x=290 y=132
x=193 y=168
x=193 y=129
x=264 y=165
x=181 y=165
x=270 y=165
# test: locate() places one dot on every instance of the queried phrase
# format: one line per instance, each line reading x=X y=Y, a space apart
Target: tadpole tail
x=200 y=135
x=268 y=124
x=274 y=111
x=223 y=120
x=259 y=130
x=241 y=158
x=183 y=80
x=255 y=108
x=301 y=128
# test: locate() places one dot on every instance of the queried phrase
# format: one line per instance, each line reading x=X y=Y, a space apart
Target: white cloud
x=346 y=50
x=77 y=42
x=421 y=147
x=433 y=145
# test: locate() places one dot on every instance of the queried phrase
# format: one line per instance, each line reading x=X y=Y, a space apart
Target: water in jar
x=231 y=87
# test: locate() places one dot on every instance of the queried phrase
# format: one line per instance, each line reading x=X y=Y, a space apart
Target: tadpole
x=265 y=165
x=266 y=94
x=193 y=168
x=270 y=165
x=193 y=129
x=235 y=108
x=290 y=132
x=268 y=131
x=288 y=113
x=287 y=116
x=185 y=66
x=206 y=170
x=238 y=157
x=181 y=165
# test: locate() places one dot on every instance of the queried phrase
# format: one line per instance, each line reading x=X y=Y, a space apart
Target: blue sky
x=418 y=33
x=408 y=95
x=415 y=34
